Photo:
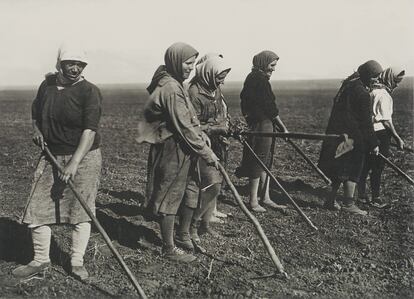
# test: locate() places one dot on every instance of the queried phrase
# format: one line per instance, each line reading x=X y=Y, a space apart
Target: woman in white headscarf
x=208 y=101
x=65 y=114
x=384 y=129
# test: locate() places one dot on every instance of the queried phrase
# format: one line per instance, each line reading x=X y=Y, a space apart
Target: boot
x=177 y=255
x=350 y=207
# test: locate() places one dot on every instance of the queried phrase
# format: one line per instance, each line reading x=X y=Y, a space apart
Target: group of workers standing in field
x=186 y=128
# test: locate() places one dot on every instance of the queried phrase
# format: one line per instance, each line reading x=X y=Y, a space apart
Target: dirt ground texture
x=350 y=256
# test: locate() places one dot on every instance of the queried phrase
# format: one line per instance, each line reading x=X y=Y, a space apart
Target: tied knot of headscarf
x=174 y=58
x=208 y=68
x=390 y=78
x=262 y=60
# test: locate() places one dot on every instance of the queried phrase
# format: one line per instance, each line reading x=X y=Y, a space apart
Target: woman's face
x=188 y=66
x=271 y=68
x=72 y=69
x=220 y=78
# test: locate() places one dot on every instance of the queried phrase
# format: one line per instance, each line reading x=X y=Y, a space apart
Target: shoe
x=258 y=209
x=352 y=208
x=178 y=255
x=80 y=273
x=274 y=205
x=378 y=203
x=30 y=269
x=332 y=205
x=184 y=241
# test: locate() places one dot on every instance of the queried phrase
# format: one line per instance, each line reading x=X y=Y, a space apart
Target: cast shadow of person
x=128 y=222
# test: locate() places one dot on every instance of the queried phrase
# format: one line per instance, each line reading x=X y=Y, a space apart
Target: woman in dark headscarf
x=172 y=128
x=208 y=101
x=65 y=115
x=258 y=105
x=384 y=130
x=351 y=115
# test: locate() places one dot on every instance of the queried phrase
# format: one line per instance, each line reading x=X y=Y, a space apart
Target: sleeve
x=383 y=108
x=187 y=125
x=36 y=104
x=92 y=109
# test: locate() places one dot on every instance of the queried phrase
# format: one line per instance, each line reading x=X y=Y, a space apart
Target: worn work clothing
x=382 y=108
x=351 y=114
x=63 y=114
x=52 y=201
x=213 y=115
x=258 y=104
x=170 y=124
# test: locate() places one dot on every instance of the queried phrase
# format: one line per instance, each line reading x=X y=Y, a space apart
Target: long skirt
x=169 y=168
x=261 y=145
x=51 y=200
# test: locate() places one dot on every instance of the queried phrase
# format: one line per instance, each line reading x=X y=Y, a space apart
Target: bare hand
x=38 y=139
x=400 y=143
x=375 y=151
x=69 y=171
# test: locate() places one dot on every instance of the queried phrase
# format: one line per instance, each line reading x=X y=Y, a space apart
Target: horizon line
x=27 y=86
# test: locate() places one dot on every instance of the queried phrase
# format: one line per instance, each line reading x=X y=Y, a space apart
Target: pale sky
x=126 y=40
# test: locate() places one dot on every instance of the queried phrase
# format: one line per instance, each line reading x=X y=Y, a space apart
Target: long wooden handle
x=269 y=173
x=314 y=166
x=256 y=223
x=293 y=135
x=397 y=169
x=99 y=227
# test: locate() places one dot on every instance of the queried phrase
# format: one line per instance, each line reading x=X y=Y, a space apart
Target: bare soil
x=349 y=256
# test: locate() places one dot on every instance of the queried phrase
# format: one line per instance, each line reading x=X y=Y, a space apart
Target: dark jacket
x=258 y=101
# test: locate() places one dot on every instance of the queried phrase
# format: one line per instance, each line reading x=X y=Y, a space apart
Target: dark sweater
x=62 y=115
x=258 y=101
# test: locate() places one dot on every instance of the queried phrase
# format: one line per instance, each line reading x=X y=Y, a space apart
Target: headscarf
x=207 y=70
x=369 y=70
x=390 y=78
x=262 y=60
x=69 y=52
x=174 y=57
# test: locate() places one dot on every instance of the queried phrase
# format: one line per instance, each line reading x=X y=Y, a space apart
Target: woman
x=211 y=109
x=66 y=114
x=384 y=130
x=172 y=128
x=258 y=105
x=350 y=115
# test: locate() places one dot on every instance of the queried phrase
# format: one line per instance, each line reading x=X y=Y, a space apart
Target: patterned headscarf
x=391 y=77
x=207 y=70
x=262 y=60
